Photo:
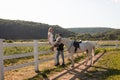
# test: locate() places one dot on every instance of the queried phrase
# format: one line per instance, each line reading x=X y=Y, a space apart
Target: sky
x=65 y=13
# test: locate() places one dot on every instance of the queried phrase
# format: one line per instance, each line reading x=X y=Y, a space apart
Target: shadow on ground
x=82 y=75
x=77 y=75
x=39 y=76
x=101 y=73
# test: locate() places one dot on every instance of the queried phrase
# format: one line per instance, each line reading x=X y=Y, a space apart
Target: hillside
x=113 y=34
x=16 y=29
x=89 y=30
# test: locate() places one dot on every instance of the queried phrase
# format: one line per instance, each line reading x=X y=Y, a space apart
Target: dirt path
x=28 y=73
x=76 y=73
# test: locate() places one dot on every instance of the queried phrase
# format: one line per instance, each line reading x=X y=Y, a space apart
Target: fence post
x=36 y=55
x=1 y=60
x=116 y=45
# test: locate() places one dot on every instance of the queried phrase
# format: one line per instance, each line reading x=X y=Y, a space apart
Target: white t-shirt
x=50 y=37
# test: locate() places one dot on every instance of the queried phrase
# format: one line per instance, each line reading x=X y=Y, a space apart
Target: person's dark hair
x=60 y=34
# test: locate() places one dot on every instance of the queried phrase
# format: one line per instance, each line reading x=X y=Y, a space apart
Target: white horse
x=85 y=46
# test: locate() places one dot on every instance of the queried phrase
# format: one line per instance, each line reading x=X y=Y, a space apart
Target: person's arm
x=48 y=36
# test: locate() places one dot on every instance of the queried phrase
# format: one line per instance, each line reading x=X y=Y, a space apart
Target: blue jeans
x=57 y=57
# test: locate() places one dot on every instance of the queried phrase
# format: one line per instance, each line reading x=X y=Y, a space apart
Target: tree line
x=113 y=34
x=18 y=29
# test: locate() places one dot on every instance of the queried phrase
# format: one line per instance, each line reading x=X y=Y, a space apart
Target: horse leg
x=69 y=54
x=72 y=59
x=87 y=57
x=91 y=58
x=77 y=54
x=92 y=55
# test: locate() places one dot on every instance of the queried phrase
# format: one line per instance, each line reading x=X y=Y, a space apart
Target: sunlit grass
x=47 y=70
x=108 y=68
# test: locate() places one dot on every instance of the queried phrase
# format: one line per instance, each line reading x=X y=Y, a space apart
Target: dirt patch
x=76 y=73
x=28 y=73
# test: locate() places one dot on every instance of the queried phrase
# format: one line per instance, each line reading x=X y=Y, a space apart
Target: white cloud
x=116 y=1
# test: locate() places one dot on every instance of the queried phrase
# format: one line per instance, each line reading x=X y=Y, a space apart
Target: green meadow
x=107 y=68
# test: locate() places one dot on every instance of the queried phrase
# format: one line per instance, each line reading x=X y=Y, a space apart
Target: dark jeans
x=57 y=57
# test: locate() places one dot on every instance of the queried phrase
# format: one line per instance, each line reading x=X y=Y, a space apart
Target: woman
x=50 y=36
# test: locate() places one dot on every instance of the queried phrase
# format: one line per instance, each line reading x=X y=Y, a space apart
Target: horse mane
x=66 y=39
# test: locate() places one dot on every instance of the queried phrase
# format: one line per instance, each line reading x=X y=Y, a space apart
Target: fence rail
x=35 y=53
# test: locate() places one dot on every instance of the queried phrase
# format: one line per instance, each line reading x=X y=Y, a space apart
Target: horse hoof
x=69 y=59
x=72 y=66
x=85 y=65
x=37 y=71
x=91 y=65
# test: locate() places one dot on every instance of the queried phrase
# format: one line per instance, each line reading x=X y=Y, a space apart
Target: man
x=60 y=50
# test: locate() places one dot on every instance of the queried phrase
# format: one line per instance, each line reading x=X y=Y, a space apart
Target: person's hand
x=52 y=48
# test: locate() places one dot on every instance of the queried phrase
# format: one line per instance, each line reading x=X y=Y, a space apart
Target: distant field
x=108 y=42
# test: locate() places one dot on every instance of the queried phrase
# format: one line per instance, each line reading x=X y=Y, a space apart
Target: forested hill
x=108 y=35
x=16 y=29
x=90 y=30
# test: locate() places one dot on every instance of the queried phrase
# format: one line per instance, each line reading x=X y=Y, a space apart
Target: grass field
x=48 y=69
x=108 y=68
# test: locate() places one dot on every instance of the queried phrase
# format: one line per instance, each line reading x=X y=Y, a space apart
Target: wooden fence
x=35 y=53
